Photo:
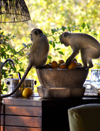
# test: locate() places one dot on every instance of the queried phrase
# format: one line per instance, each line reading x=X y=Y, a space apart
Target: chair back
x=84 y=117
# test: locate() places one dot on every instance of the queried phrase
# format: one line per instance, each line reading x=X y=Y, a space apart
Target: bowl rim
x=85 y=69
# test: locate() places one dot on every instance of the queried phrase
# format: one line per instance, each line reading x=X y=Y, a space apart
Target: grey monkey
x=86 y=44
x=37 y=56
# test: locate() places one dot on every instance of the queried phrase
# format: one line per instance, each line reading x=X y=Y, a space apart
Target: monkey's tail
x=25 y=74
x=6 y=62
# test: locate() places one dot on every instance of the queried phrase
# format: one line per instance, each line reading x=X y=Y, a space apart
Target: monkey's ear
x=38 y=31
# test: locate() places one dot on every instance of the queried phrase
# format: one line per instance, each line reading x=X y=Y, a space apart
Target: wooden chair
x=84 y=117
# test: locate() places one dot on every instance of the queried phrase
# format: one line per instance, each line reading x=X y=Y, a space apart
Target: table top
x=35 y=100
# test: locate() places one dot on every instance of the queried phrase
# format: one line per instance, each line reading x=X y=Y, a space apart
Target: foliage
x=8 y=51
x=53 y=17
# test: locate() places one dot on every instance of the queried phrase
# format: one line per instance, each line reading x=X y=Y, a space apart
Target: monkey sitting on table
x=86 y=44
x=37 y=56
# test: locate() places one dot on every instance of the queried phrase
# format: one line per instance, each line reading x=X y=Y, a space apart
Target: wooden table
x=37 y=114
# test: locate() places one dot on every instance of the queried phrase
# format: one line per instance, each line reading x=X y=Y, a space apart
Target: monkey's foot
x=90 y=66
x=81 y=67
x=40 y=67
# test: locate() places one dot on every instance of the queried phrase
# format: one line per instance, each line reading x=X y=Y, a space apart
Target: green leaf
x=69 y=29
x=11 y=75
x=2 y=85
x=64 y=28
x=14 y=69
x=24 y=45
x=88 y=26
x=53 y=44
x=49 y=57
x=50 y=42
x=60 y=52
x=5 y=89
x=94 y=33
x=21 y=70
x=58 y=48
x=53 y=31
x=83 y=25
x=16 y=61
x=9 y=47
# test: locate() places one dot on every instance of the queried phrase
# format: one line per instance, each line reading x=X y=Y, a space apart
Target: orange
x=48 y=66
x=72 y=65
x=27 y=92
x=63 y=66
x=54 y=65
x=60 y=61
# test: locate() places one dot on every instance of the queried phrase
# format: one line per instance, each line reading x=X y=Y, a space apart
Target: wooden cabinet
x=37 y=114
x=21 y=115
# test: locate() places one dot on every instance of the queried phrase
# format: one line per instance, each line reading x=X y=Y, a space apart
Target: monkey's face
x=34 y=33
x=64 y=38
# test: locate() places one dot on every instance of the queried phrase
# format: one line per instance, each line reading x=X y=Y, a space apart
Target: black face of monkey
x=63 y=38
x=35 y=32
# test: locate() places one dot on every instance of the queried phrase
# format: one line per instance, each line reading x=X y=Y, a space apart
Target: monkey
x=37 y=56
x=88 y=46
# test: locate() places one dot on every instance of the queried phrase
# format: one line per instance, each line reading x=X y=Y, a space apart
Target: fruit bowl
x=62 y=77
x=61 y=83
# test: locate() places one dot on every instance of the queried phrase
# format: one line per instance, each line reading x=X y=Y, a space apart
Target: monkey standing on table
x=88 y=45
x=38 y=54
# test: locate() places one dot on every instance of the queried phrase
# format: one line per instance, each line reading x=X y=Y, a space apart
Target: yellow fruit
x=48 y=66
x=54 y=65
x=60 y=62
x=27 y=92
x=72 y=65
x=63 y=66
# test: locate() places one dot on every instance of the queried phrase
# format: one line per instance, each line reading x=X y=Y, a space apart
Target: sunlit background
x=50 y=16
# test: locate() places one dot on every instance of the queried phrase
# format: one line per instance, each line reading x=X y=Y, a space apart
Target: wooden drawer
x=21 y=121
x=22 y=110
x=10 y=128
x=21 y=118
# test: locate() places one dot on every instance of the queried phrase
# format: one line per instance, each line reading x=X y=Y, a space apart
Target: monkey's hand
x=68 y=61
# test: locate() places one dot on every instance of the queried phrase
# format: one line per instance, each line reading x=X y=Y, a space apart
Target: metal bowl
x=62 y=77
